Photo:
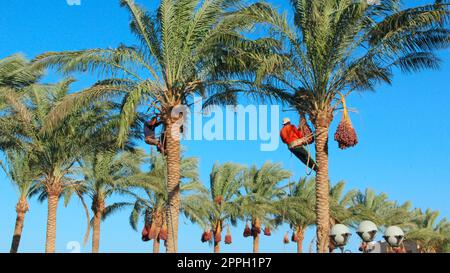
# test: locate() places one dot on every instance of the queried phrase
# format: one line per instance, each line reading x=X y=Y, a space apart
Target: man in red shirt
x=294 y=138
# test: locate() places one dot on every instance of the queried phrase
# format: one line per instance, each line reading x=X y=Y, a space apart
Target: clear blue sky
x=404 y=133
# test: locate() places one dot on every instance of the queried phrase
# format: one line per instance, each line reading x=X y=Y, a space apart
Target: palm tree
x=262 y=191
x=187 y=47
x=152 y=204
x=220 y=208
x=55 y=154
x=340 y=204
x=380 y=210
x=431 y=236
x=104 y=172
x=23 y=176
x=297 y=209
x=16 y=75
x=337 y=47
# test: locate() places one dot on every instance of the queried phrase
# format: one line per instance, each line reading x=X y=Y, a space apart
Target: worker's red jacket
x=290 y=133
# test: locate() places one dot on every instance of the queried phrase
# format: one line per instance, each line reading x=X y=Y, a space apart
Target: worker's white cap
x=286 y=121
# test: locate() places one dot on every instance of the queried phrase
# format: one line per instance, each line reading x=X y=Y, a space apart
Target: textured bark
x=321 y=123
x=256 y=243
x=98 y=206
x=301 y=236
x=256 y=223
x=172 y=149
x=96 y=232
x=216 y=247
x=217 y=233
x=21 y=209
x=156 y=245
x=51 y=223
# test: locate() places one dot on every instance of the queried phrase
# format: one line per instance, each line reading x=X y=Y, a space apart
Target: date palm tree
x=262 y=190
x=20 y=171
x=379 y=209
x=432 y=236
x=104 y=172
x=54 y=155
x=297 y=209
x=221 y=207
x=340 y=204
x=337 y=47
x=16 y=75
x=187 y=47
x=150 y=193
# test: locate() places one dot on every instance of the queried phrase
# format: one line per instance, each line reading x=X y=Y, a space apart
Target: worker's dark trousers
x=301 y=153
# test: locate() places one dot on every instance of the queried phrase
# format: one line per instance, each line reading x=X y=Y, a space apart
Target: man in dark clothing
x=294 y=138
x=149 y=131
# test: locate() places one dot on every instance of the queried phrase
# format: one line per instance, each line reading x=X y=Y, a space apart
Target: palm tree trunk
x=156 y=245
x=301 y=236
x=321 y=124
x=172 y=150
x=21 y=209
x=96 y=232
x=216 y=247
x=51 y=222
x=256 y=243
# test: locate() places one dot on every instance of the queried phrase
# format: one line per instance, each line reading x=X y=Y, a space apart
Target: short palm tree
x=151 y=205
x=340 y=204
x=262 y=190
x=20 y=171
x=55 y=154
x=104 y=172
x=432 y=236
x=297 y=209
x=337 y=47
x=379 y=209
x=220 y=208
x=187 y=47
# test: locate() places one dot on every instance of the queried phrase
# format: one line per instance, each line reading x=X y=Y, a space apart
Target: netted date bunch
x=228 y=239
x=267 y=231
x=247 y=231
x=206 y=236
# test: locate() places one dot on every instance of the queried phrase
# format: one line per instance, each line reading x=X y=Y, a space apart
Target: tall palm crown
x=187 y=47
x=337 y=47
x=262 y=188
x=16 y=75
x=21 y=172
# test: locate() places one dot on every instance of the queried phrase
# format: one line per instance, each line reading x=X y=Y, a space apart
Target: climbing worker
x=149 y=131
x=295 y=140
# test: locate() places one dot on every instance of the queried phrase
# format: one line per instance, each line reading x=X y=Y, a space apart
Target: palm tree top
x=336 y=47
x=187 y=47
